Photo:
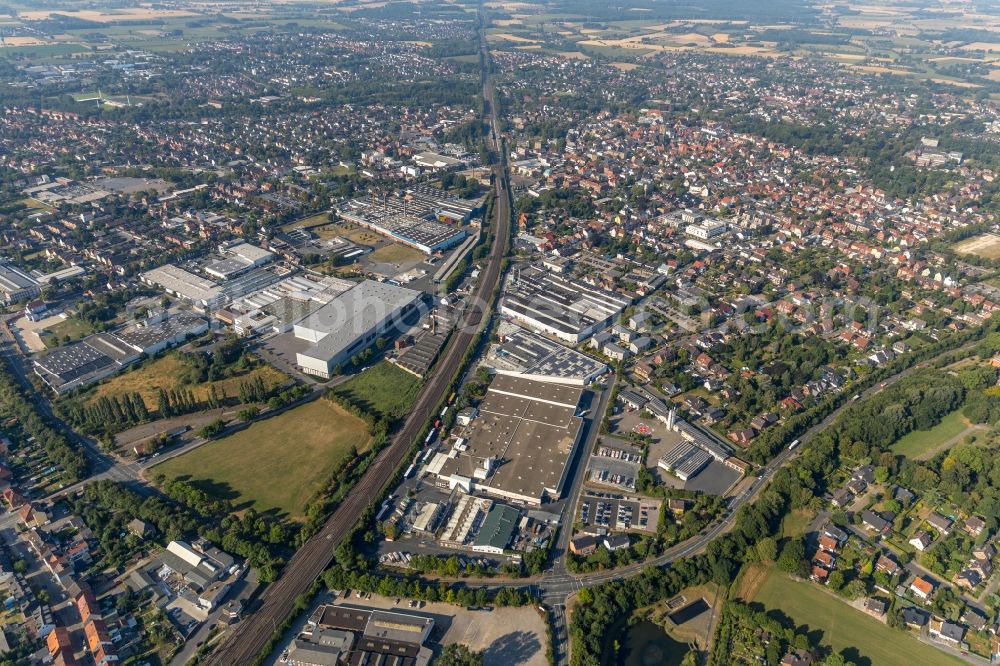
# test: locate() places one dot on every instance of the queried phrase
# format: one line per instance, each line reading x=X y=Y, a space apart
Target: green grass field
x=75 y=328
x=843 y=627
x=276 y=464
x=384 y=389
x=920 y=442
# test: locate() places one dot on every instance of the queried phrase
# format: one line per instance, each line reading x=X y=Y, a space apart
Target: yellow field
x=982 y=46
x=506 y=36
x=23 y=41
x=130 y=14
x=163 y=373
x=395 y=253
x=986 y=246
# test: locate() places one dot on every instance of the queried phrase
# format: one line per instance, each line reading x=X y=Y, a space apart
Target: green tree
x=767 y=549
x=459 y=655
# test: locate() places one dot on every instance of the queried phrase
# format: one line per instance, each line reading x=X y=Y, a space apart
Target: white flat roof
x=356 y=312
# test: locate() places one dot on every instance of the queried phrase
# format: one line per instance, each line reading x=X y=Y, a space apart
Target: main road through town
x=278 y=601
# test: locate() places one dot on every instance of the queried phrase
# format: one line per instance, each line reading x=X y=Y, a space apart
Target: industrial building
x=706 y=229
x=236 y=259
x=347 y=634
x=552 y=304
x=191 y=580
x=521 y=353
x=428 y=236
x=103 y=354
x=498 y=529
x=350 y=323
x=422 y=217
x=276 y=307
x=519 y=445
x=685 y=460
x=178 y=282
x=16 y=285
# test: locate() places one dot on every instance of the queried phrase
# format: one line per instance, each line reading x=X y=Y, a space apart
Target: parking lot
x=614 y=511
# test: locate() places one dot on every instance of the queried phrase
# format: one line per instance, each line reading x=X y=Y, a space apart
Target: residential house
x=922 y=588
x=975 y=526
x=797 y=658
x=945 y=631
x=583 y=545
x=874 y=522
x=876 y=607
x=887 y=565
x=921 y=541
x=941 y=524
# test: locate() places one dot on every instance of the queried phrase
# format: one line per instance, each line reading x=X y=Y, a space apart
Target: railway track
x=309 y=562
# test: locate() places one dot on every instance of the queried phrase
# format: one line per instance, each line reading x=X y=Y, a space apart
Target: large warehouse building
x=16 y=285
x=103 y=354
x=520 y=445
x=350 y=323
x=550 y=303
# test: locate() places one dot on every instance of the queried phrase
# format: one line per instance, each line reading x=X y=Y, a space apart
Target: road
x=278 y=601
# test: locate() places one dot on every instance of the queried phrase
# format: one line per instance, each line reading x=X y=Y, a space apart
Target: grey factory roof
x=337 y=325
x=183 y=283
x=402 y=627
x=685 y=459
x=529 y=428
x=525 y=353
x=73 y=361
x=146 y=337
x=410 y=229
x=227 y=266
x=14 y=279
x=555 y=301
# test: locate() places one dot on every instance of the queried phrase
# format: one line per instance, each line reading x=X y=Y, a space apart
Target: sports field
x=276 y=464
x=843 y=627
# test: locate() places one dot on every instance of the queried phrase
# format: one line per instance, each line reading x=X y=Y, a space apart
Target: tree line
x=17 y=406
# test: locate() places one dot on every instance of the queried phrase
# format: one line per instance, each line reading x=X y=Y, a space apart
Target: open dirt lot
x=23 y=41
x=508 y=636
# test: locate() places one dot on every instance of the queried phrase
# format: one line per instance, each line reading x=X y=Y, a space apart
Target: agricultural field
x=923 y=444
x=843 y=627
x=165 y=373
x=383 y=389
x=255 y=467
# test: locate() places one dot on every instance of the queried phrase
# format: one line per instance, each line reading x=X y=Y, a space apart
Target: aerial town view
x=489 y=333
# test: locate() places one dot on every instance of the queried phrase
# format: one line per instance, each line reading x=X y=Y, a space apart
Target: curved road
x=278 y=601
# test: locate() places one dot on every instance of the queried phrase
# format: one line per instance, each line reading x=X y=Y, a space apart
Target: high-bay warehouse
x=350 y=323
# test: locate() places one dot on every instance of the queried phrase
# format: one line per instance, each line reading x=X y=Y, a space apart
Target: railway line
x=278 y=601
